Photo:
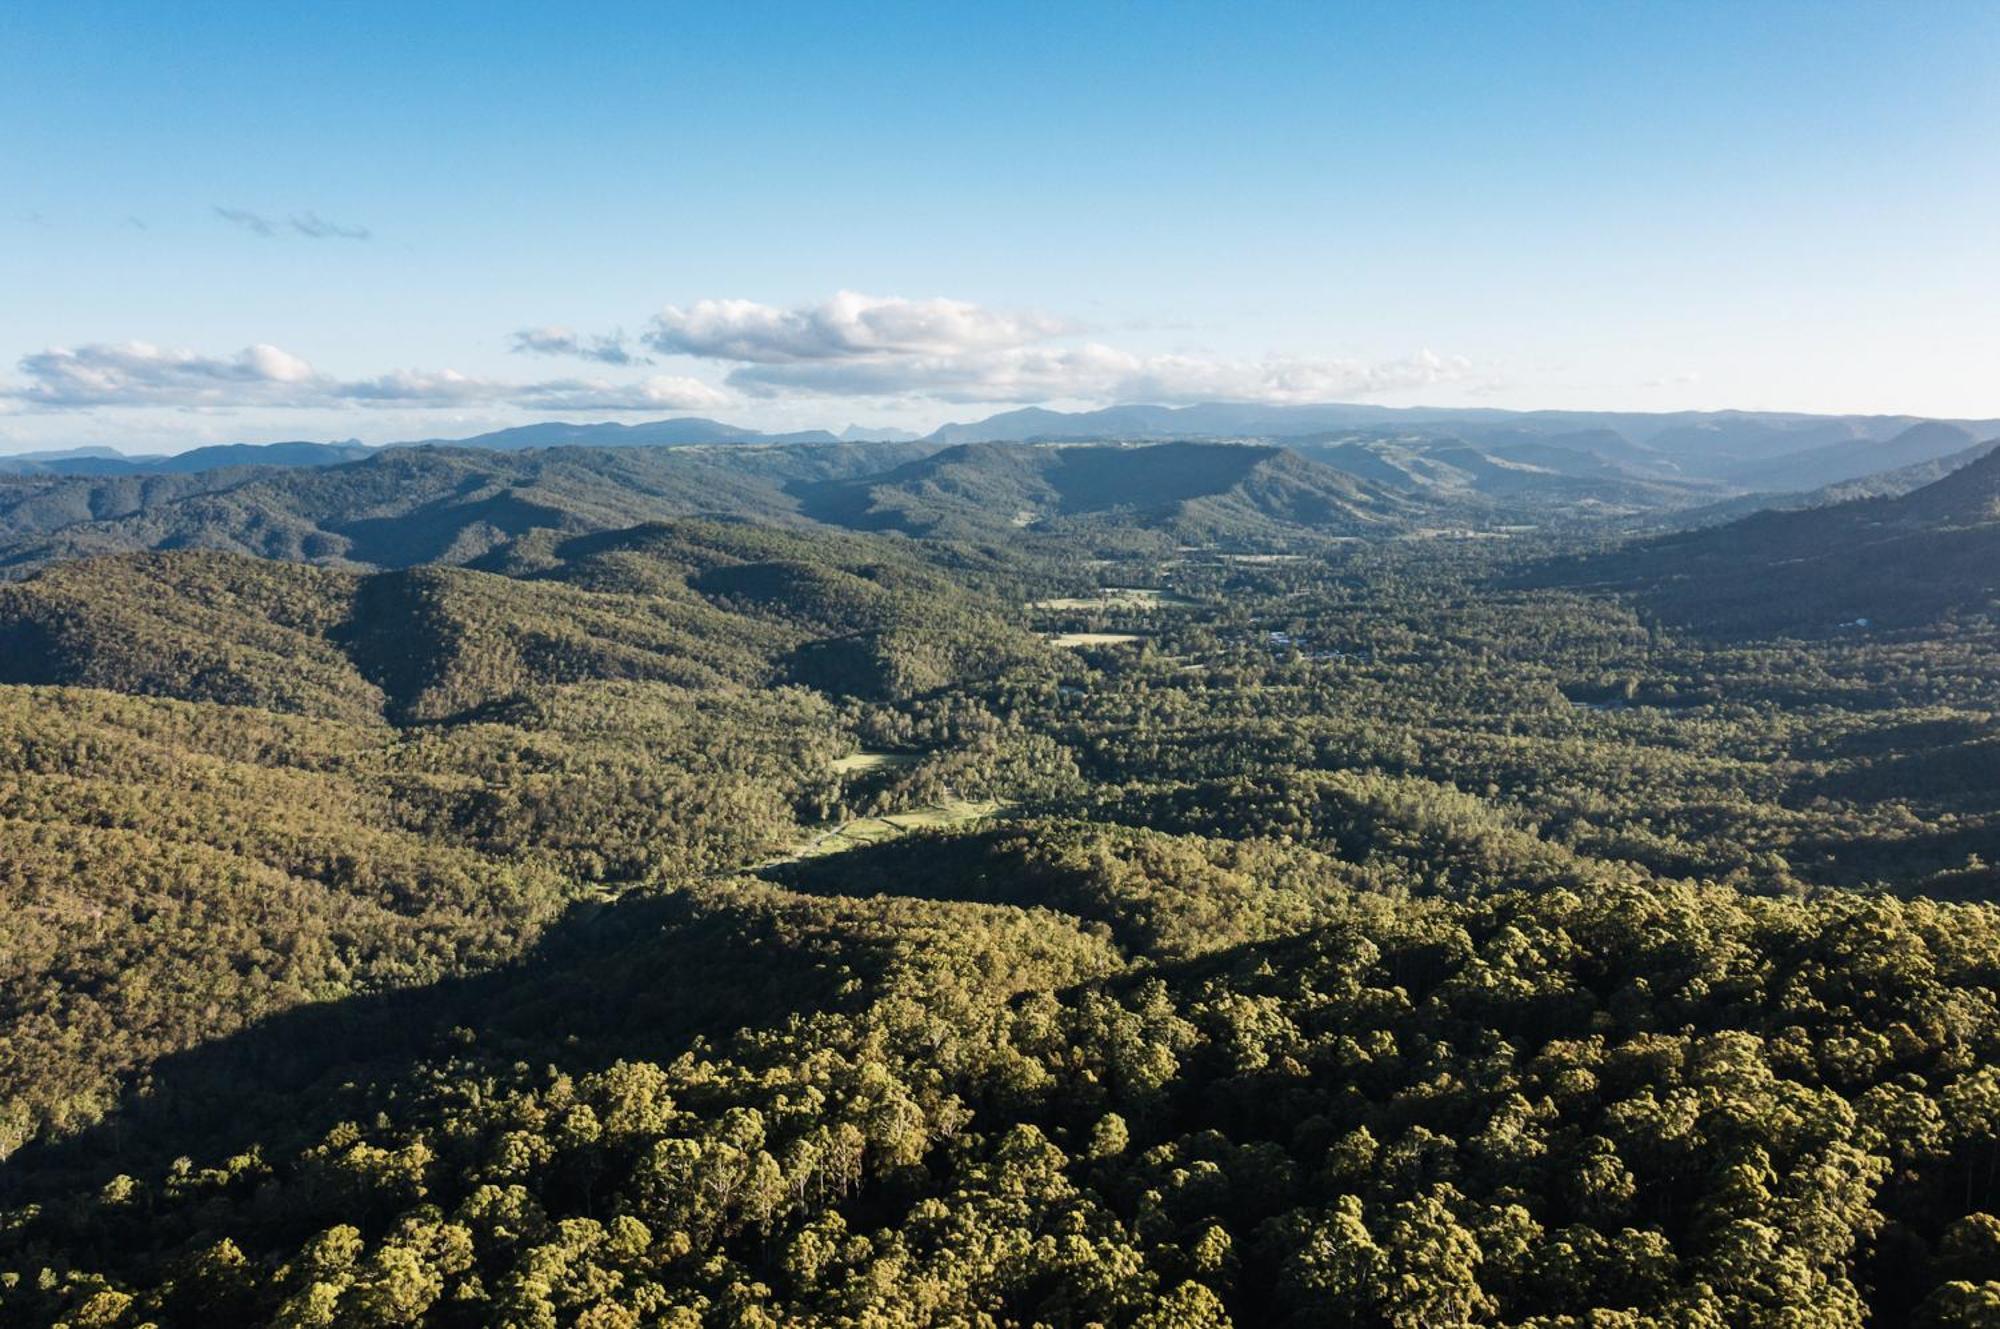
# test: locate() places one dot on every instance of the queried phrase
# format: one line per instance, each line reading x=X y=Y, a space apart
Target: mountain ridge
x=1892 y=561
x=1186 y=487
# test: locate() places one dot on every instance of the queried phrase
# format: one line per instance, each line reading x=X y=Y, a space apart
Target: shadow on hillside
x=439 y=531
x=1950 y=864
x=637 y=978
x=1816 y=575
x=1933 y=766
x=989 y=865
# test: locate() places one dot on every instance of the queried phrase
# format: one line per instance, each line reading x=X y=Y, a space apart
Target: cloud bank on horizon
x=887 y=349
x=138 y=374
x=948 y=350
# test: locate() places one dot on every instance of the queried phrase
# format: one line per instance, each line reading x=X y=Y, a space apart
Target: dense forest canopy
x=998 y=885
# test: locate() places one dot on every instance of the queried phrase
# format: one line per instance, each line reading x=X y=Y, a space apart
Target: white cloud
x=137 y=374
x=939 y=351
x=607 y=348
x=1292 y=380
x=140 y=373
x=949 y=350
x=1099 y=373
x=847 y=327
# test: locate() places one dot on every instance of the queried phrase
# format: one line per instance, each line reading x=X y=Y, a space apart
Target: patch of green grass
x=1118 y=597
x=863 y=831
x=1094 y=638
x=856 y=762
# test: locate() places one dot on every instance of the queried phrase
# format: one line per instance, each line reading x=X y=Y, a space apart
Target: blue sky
x=224 y=222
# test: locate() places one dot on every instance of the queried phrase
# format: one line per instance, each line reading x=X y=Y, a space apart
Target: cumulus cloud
x=846 y=347
x=141 y=374
x=137 y=373
x=847 y=327
x=606 y=348
x=308 y=224
x=949 y=350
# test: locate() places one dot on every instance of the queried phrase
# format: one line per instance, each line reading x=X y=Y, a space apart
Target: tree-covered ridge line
x=1900 y=560
x=469 y=506
x=698 y=605
x=1368 y=936
x=1668 y=1101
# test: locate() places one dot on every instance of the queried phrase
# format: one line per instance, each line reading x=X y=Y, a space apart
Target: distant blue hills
x=1727 y=451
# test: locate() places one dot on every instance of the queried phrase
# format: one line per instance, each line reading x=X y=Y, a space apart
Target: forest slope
x=1898 y=561
x=409 y=506
x=1364 y=941
x=1189 y=490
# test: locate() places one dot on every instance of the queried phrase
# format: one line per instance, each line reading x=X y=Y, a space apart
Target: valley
x=640 y=897
x=1050 y=666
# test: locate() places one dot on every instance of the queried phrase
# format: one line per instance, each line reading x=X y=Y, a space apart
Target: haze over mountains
x=109 y=461
x=1739 y=449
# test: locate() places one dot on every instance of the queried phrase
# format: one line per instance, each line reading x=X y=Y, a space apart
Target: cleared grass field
x=1094 y=638
x=856 y=762
x=1118 y=597
x=874 y=830
x=1256 y=559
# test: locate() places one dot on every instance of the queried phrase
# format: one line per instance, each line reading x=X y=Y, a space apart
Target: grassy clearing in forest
x=857 y=762
x=1094 y=638
x=863 y=831
x=1118 y=597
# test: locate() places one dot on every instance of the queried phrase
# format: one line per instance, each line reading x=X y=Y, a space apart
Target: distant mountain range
x=1879 y=484
x=1831 y=463
x=1233 y=472
x=679 y=432
x=1921 y=541
x=1635 y=459
x=107 y=461
x=1713 y=441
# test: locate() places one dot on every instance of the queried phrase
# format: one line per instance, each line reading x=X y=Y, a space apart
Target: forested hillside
x=546 y=904
x=407 y=506
x=1904 y=559
x=1189 y=490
